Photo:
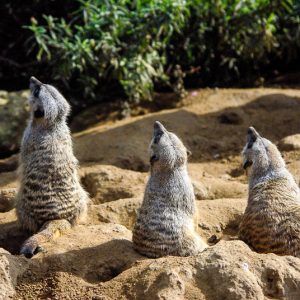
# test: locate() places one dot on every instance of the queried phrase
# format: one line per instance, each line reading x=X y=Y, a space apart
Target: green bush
x=141 y=45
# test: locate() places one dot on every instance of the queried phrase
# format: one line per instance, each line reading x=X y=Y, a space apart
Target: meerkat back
x=165 y=224
x=271 y=222
x=50 y=197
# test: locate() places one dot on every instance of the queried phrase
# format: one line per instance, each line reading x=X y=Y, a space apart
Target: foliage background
x=98 y=50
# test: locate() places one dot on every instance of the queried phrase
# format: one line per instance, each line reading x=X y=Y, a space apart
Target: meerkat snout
x=252 y=136
x=35 y=81
x=158 y=131
x=166 y=149
x=47 y=104
x=35 y=86
x=254 y=149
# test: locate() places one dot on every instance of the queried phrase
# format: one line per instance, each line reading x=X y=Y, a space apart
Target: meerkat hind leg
x=49 y=232
x=192 y=244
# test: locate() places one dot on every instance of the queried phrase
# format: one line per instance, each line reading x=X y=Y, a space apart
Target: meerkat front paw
x=30 y=248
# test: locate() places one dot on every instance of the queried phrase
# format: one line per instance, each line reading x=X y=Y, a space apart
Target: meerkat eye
x=39 y=113
x=153 y=158
x=36 y=92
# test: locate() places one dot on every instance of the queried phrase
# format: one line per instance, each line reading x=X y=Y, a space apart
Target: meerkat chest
x=172 y=184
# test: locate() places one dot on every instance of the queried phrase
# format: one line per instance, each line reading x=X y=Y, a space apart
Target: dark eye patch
x=153 y=159
x=39 y=113
x=251 y=139
x=36 y=91
x=250 y=144
x=158 y=137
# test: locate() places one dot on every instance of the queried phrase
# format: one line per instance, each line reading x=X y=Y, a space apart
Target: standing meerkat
x=165 y=223
x=271 y=222
x=50 y=198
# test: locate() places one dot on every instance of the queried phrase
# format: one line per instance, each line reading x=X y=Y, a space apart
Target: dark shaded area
x=12 y=237
x=9 y=164
x=18 y=47
x=104 y=262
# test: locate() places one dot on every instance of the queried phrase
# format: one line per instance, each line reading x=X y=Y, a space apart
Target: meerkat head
x=166 y=149
x=261 y=155
x=47 y=103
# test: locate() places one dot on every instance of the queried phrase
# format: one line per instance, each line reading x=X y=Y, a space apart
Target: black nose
x=35 y=81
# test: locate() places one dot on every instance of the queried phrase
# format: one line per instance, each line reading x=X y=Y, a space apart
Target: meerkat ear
x=189 y=153
x=252 y=136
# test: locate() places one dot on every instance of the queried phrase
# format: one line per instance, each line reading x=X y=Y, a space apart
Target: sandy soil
x=96 y=260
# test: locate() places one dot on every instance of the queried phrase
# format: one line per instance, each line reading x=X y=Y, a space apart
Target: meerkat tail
x=49 y=232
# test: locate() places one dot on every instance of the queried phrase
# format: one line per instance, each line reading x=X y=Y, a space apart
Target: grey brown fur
x=165 y=224
x=50 y=198
x=271 y=222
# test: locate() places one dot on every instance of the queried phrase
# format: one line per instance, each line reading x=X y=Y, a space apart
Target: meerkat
x=271 y=222
x=50 y=198
x=166 y=221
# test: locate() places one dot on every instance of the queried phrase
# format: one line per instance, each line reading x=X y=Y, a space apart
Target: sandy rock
x=95 y=252
x=7 y=199
x=224 y=188
x=201 y=192
x=233 y=271
x=229 y=270
x=219 y=217
x=294 y=168
x=6 y=284
x=109 y=183
x=8 y=180
x=122 y=211
x=13 y=117
x=10 y=268
x=211 y=186
x=290 y=143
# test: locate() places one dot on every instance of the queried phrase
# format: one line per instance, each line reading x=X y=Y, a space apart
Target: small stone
x=7 y=199
x=218 y=228
x=213 y=239
x=204 y=226
x=200 y=191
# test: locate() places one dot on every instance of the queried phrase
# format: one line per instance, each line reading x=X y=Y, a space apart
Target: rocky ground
x=96 y=260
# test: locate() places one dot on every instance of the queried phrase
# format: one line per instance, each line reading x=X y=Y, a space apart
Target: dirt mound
x=96 y=260
x=109 y=183
x=229 y=270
